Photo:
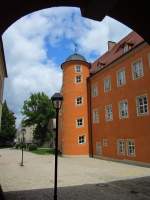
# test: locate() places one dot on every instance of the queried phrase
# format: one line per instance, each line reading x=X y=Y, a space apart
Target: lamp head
x=57 y=99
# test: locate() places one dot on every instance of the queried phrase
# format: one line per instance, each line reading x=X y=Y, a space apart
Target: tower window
x=81 y=139
x=79 y=122
x=78 y=68
x=79 y=100
x=78 y=79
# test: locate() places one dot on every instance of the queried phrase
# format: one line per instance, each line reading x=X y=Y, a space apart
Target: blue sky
x=37 y=44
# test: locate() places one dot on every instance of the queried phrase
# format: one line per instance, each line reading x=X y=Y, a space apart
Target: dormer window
x=100 y=65
x=127 y=47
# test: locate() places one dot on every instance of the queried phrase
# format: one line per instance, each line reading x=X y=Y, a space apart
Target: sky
x=37 y=44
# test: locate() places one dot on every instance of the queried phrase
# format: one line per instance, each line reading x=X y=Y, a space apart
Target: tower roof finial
x=75 y=47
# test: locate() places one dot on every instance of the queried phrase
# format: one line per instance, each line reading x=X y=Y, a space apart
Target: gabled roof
x=132 y=39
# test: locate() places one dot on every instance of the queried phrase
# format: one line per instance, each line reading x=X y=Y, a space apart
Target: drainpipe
x=89 y=117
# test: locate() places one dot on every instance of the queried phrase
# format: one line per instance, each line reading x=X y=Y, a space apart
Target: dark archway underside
x=135 y=14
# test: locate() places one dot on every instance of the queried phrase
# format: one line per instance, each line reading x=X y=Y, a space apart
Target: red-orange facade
x=117 y=94
x=73 y=120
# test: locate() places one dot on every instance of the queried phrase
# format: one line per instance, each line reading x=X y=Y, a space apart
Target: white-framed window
x=126 y=48
x=79 y=122
x=130 y=147
x=78 y=68
x=137 y=69
x=98 y=148
x=94 y=90
x=108 y=113
x=121 y=79
x=79 y=101
x=78 y=79
x=81 y=139
x=121 y=147
x=107 y=84
x=105 y=142
x=95 y=116
x=142 y=105
x=123 y=109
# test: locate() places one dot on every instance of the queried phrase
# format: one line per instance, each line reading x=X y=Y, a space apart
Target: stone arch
x=133 y=13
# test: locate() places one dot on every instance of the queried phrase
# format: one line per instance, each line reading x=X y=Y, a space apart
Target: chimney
x=111 y=45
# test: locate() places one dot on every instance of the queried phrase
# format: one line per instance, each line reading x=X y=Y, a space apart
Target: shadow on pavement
x=138 y=189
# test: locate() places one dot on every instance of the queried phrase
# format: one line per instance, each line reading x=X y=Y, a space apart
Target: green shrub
x=23 y=145
x=17 y=146
x=32 y=147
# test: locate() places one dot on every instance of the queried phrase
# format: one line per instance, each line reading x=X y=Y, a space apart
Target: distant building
x=106 y=112
x=28 y=136
x=52 y=130
x=3 y=75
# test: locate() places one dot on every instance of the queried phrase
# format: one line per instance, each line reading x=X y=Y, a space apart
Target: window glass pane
x=81 y=139
x=121 y=146
x=137 y=69
x=107 y=85
x=78 y=79
x=79 y=100
x=142 y=105
x=131 y=148
x=123 y=109
x=78 y=68
x=108 y=113
x=121 y=77
x=95 y=116
x=94 y=90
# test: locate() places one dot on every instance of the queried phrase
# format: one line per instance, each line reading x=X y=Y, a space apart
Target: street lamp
x=57 y=99
x=23 y=131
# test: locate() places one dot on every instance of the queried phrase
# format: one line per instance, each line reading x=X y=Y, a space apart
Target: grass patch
x=43 y=151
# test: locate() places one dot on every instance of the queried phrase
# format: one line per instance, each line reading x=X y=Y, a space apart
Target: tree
x=38 y=109
x=8 y=127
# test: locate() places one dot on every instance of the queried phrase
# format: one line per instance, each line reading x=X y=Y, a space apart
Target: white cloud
x=29 y=66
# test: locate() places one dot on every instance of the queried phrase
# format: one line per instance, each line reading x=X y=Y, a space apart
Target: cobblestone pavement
x=133 y=189
x=74 y=174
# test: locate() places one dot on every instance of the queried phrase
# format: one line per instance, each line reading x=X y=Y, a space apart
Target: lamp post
x=57 y=99
x=23 y=131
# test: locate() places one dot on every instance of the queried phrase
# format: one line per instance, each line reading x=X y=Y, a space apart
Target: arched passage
x=134 y=14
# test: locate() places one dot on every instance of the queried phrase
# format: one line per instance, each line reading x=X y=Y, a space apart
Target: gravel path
x=38 y=171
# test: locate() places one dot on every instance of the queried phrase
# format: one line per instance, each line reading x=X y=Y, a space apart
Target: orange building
x=115 y=109
x=74 y=112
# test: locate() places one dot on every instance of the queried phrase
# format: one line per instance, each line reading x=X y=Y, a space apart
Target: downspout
x=89 y=117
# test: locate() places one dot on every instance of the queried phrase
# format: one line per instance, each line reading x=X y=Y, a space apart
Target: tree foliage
x=8 y=127
x=38 y=109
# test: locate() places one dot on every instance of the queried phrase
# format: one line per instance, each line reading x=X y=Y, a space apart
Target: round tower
x=74 y=112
